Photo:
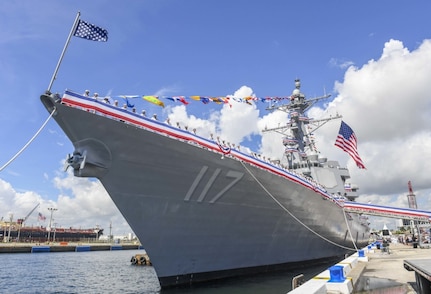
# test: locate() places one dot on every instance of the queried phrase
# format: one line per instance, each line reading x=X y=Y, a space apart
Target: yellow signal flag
x=216 y=100
x=154 y=100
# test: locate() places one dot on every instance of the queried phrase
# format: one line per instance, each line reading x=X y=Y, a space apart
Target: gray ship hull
x=199 y=213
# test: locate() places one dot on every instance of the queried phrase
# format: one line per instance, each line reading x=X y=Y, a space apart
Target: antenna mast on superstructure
x=298 y=131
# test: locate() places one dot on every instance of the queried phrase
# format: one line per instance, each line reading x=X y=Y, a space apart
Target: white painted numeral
x=235 y=175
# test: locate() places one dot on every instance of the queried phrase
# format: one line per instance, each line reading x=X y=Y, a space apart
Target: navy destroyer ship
x=205 y=210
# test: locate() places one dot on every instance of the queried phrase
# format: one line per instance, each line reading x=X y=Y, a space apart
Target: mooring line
x=29 y=142
x=293 y=216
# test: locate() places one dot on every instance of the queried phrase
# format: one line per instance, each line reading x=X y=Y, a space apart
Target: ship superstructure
x=301 y=154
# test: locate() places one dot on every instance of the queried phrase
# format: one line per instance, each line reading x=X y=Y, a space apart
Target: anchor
x=76 y=160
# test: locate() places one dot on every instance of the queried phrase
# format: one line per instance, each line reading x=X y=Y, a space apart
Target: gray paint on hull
x=198 y=213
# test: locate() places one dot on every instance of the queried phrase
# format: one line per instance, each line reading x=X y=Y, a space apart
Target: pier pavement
x=377 y=272
x=386 y=270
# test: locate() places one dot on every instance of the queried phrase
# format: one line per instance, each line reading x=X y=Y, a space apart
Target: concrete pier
x=377 y=272
x=385 y=271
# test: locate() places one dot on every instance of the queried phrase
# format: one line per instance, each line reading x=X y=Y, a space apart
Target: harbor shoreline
x=65 y=247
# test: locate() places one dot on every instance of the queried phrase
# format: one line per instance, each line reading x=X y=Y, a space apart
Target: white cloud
x=235 y=121
x=271 y=144
x=178 y=116
x=81 y=203
x=387 y=104
x=340 y=63
x=87 y=199
x=16 y=204
x=385 y=101
x=239 y=121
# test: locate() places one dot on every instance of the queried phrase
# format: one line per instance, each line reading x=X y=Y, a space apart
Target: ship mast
x=298 y=132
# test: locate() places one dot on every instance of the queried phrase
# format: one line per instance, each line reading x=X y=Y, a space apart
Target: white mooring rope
x=29 y=142
x=298 y=220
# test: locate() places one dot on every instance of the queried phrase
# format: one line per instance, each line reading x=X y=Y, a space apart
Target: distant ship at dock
x=37 y=234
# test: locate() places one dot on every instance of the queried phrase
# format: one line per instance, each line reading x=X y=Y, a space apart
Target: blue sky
x=372 y=56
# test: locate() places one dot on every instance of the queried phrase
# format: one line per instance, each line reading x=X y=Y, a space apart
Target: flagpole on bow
x=54 y=75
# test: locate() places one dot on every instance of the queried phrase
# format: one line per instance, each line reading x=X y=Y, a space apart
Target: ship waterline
x=202 y=211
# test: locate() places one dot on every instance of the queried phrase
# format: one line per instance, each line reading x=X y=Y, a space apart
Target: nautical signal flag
x=154 y=100
x=346 y=140
x=91 y=32
x=126 y=97
x=208 y=99
x=181 y=99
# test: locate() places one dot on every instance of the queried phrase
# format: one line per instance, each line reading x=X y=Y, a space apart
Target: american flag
x=346 y=140
x=90 y=32
x=41 y=217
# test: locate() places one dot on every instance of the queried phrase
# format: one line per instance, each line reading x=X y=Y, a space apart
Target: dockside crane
x=21 y=221
x=411 y=197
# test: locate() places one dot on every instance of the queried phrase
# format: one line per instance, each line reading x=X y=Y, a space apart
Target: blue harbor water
x=112 y=272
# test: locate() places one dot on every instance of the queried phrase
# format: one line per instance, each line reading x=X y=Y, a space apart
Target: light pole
x=51 y=209
x=4 y=233
x=97 y=230
x=110 y=232
x=19 y=223
x=55 y=230
x=10 y=226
